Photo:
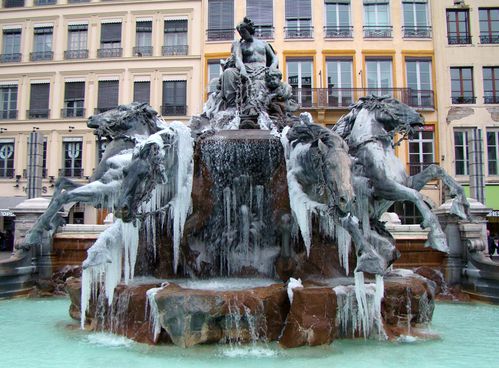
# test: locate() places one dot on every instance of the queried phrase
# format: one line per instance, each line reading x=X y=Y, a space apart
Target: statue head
x=273 y=78
x=246 y=25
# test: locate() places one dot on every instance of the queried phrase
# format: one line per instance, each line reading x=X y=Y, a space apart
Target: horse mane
x=312 y=133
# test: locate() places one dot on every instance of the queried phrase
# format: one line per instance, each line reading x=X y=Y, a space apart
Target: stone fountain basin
x=231 y=311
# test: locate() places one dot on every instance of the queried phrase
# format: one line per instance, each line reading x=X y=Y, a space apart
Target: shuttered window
x=174 y=98
x=175 y=39
x=142 y=91
x=74 y=99
x=108 y=95
x=260 y=12
x=42 y=39
x=143 y=34
x=298 y=9
x=13 y=3
x=39 y=101
x=110 y=33
x=220 y=14
x=11 y=42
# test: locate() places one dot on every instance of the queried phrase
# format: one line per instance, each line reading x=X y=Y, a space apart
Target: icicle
x=130 y=237
x=363 y=308
x=154 y=316
x=344 y=242
x=378 y=297
x=293 y=284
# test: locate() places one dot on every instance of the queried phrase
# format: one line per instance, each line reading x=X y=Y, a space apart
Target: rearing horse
x=369 y=130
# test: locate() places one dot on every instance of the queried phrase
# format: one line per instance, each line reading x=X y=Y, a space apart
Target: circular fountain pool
x=39 y=333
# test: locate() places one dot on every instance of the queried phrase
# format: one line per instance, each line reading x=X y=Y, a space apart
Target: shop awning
x=7 y=203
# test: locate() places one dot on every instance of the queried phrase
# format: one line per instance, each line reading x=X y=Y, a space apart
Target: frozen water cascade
x=130 y=237
x=153 y=309
x=293 y=284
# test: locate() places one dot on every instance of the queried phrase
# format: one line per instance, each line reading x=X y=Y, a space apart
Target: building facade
x=63 y=61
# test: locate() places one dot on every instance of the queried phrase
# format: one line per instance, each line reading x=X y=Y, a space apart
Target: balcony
x=459 y=39
x=8 y=114
x=297 y=33
x=41 y=55
x=489 y=38
x=38 y=113
x=110 y=53
x=461 y=100
x=378 y=31
x=71 y=172
x=7 y=172
x=175 y=50
x=142 y=51
x=417 y=32
x=220 y=34
x=342 y=98
x=75 y=54
x=13 y=3
x=10 y=58
x=100 y=110
x=338 y=31
x=25 y=173
x=416 y=167
x=421 y=99
x=78 y=1
x=264 y=32
x=491 y=99
x=172 y=110
x=73 y=112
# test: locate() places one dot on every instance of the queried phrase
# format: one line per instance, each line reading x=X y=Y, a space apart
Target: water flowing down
x=154 y=311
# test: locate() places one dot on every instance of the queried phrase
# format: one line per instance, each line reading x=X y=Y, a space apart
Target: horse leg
x=368 y=260
x=460 y=206
x=394 y=191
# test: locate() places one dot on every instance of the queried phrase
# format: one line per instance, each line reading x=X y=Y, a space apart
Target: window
x=298 y=19
x=6 y=158
x=8 y=102
x=261 y=12
x=143 y=38
x=220 y=20
x=74 y=100
x=77 y=42
x=491 y=85
x=419 y=80
x=421 y=149
x=379 y=76
x=489 y=25
x=377 y=19
x=11 y=45
x=39 y=101
x=174 y=98
x=42 y=44
x=493 y=151
x=175 y=42
x=107 y=98
x=338 y=23
x=141 y=91
x=416 y=19
x=300 y=78
x=110 y=40
x=462 y=85
x=461 y=155
x=13 y=3
x=407 y=212
x=458 y=27
x=214 y=72
x=72 y=158
x=45 y=2
x=339 y=82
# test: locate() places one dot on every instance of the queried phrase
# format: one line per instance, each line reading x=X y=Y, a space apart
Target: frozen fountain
x=250 y=224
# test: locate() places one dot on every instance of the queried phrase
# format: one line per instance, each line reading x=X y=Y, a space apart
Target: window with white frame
x=73 y=154
x=338 y=23
x=143 y=38
x=493 y=151
x=419 y=80
x=377 y=19
x=421 y=149
x=416 y=24
x=461 y=152
x=379 y=76
x=8 y=101
x=175 y=39
x=42 y=43
x=6 y=158
x=214 y=72
x=299 y=73
x=11 y=45
x=298 y=19
x=340 y=82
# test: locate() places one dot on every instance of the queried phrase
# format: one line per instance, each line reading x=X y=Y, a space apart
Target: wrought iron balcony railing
x=110 y=53
x=459 y=39
x=45 y=2
x=220 y=34
x=303 y=32
x=71 y=172
x=8 y=114
x=100 y=110
x=338 y=31
x=173 y=110
x=417 y=167
x=460 y=100
x=25 y=173
x=78 y=1
x=10 y=58
x=41 y=55
x=76 y=54
x=7 y=172
x=264 y=32
x=142 y=51
x=417 y=31
x=38 y=113
x=175 y=50
x=342 y=98
x=73 y=112
x=489 y=38
x=378 y=31
x=13 y=3
x=421 y=99
x=491 y=99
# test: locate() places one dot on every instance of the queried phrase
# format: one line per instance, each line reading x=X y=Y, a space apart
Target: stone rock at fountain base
x=312 y=318
x=73 y=289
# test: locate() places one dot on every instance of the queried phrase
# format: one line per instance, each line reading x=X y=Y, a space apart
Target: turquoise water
x=35 y=333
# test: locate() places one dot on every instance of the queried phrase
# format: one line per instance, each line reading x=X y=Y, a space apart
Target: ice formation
x=293 y=284
x=153 y=307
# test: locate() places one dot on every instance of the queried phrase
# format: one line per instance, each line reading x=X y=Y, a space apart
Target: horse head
x=125 y=120
x=151 y=163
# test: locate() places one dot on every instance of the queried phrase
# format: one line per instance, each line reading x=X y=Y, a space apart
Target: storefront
x=7 y=222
